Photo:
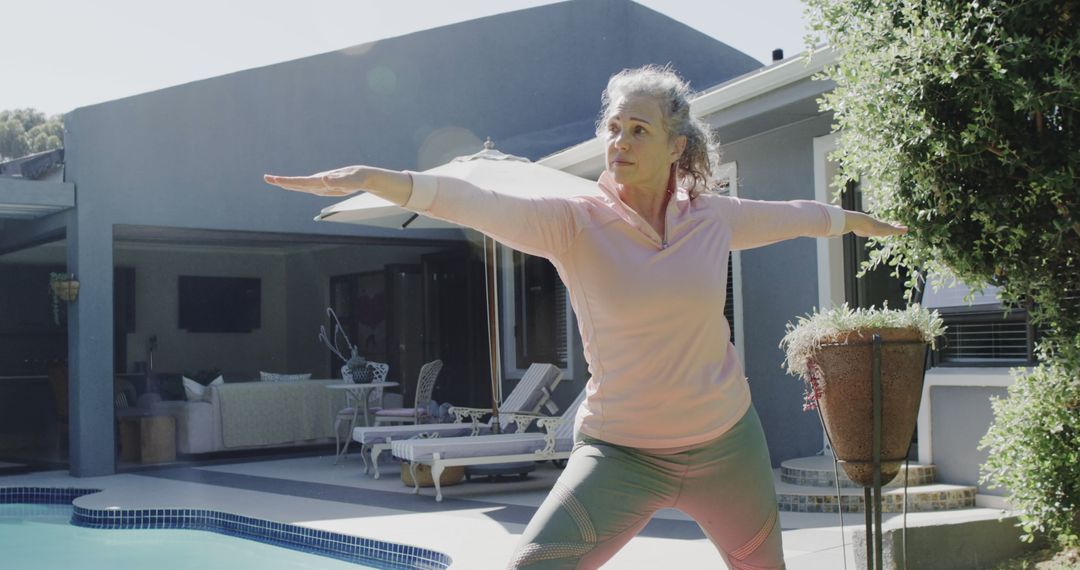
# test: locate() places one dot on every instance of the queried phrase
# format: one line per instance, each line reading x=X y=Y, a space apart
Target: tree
x=27 y=131
x=961 y=121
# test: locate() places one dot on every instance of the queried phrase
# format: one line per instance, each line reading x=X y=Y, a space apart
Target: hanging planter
x=832 y=351
x=62 y=287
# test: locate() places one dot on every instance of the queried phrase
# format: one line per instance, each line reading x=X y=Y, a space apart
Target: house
x=161 y=198
x=164 y=188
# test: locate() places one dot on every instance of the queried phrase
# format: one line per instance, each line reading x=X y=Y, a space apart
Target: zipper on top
x=667 y=220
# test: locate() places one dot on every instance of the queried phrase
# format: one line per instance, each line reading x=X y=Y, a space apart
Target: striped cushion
x=383 y=434
x=399 y=412
x=476 y=446
x=272 y=377
x=349 y=411
x=531 y=391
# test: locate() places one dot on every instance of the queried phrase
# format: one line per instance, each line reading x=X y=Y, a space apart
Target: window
x=536 y=314
x=982 y=333
x=727 y=175
x=877 y=286
x=839 y=260
x=540 y=314
x=729 y=299
x=982 y=336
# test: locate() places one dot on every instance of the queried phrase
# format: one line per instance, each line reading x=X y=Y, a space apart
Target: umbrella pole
x=492 y=299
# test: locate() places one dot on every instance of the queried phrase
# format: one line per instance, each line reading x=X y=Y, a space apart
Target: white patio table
x=357 y=398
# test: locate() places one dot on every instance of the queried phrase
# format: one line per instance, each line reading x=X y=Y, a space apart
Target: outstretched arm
x=536 y=225
x=389 y=185
x=756 y=223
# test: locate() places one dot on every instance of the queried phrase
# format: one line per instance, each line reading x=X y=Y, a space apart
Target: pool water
x=40 y=537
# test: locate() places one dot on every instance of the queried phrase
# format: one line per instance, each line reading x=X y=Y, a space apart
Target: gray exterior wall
x=961 y=417
x=779 y=281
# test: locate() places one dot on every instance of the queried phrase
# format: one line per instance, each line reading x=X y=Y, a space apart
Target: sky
x=62 y=54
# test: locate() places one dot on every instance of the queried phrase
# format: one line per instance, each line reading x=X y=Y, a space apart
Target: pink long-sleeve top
x=650 y=308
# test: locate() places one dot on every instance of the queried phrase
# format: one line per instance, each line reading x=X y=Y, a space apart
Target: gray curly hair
x=697 y=165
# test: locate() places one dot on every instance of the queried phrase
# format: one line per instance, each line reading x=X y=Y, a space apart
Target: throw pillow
x=272 y=377
x=196 y=392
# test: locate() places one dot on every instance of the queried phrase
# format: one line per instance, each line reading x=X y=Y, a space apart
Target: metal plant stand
x=873 y=551
x=872 y=498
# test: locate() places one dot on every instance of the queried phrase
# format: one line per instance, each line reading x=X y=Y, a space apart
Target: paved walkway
x=477 y=524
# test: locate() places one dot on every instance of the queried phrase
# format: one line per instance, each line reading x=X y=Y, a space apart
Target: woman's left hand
x=868 y=226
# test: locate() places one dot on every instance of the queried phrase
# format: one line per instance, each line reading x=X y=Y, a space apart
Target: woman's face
x=639 y=151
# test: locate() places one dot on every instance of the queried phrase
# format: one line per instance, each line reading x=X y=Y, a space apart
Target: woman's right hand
x=338 y=182
x=868 y=226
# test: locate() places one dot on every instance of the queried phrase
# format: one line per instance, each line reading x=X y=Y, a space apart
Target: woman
x=667 y=420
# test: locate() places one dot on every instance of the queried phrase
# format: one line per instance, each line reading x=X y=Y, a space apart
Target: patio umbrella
x=488 y=169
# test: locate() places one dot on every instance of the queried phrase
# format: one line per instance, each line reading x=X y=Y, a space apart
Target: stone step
x=923 y=498
x=817 y=471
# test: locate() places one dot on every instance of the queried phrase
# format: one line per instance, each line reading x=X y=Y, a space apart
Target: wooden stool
x=148 y=438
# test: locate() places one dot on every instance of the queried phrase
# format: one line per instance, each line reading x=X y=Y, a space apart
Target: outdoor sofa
x=256 y=414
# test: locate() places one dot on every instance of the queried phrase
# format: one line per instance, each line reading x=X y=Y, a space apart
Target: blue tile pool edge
x=293 y=537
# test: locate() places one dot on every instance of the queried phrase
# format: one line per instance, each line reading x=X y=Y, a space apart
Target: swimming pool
x=40 y=529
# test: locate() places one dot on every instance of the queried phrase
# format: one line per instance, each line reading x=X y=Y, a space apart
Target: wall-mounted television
x=219 y=304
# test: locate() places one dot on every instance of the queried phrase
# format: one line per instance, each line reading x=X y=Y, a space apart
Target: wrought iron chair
x=417 y=414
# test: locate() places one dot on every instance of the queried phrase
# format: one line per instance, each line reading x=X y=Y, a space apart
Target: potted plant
x=62 y=286
x=356 y=369
x=832 y=351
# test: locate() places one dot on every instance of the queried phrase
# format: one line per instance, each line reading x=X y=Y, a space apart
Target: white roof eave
x=31 y=199
x=584 y=157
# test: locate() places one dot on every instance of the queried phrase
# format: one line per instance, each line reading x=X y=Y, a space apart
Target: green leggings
x=607 y=494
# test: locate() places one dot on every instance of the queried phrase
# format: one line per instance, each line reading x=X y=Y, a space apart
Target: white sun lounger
x=555 y=443
x=531 y=393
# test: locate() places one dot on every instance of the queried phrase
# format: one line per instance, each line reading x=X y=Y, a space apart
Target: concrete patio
x=477 y=524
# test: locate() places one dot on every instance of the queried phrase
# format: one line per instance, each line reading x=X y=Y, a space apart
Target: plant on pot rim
x=804 y=339
x=831 y=351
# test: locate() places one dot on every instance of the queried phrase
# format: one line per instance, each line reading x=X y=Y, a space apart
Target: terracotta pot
x=450 y=476
x=66 y=290
x=847 y=404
